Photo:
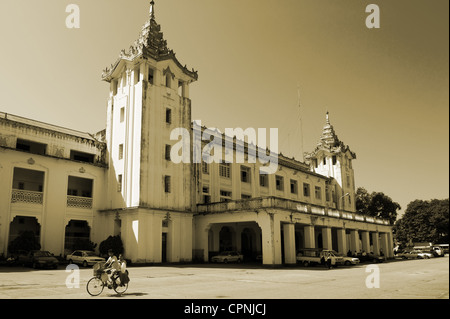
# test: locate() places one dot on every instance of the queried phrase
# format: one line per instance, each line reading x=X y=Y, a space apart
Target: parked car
x=438 y=251
x=227 y=256
x=38 y=259
x=348 y=261
x=370 y=257
x=313 y=256
x=84 y=257
x=415 y=254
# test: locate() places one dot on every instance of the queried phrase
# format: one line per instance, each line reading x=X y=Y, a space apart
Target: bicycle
x=96 y=284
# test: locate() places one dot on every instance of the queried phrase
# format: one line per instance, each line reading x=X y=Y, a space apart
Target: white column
x=376 y=243
x=271 y=239
x=326 y=238
x=390 y=253
x=310 y=241
x=289 y=244
x=342 y=241
x=365 y=239
x=384 y=244
x=354 y=241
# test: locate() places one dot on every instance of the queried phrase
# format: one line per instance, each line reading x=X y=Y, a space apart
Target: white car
x=422 y=254
x=227 y=256
x=84 y=257
x=350 y=260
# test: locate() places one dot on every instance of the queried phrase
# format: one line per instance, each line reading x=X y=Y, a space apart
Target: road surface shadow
x=131 y=294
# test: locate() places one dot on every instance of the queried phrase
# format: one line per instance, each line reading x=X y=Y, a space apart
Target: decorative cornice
x=45 y=131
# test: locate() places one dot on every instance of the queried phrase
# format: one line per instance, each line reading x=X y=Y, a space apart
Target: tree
x=424 y=221
x=26 y=241
x=112 y=242
x=376 y=204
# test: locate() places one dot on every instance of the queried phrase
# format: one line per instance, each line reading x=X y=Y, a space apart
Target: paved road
x=410 y=279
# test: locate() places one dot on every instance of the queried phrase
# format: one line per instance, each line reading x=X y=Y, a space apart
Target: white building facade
x=65 y=185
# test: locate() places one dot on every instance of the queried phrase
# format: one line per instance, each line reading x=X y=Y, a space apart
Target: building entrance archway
x=77 y=236
x=24 y=225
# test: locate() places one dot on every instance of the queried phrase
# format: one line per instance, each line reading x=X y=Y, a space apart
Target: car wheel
x=70 y=261
x=306 y=263
x=225 y=261
x=239 y=260
x=85 y=264
x=347 y=263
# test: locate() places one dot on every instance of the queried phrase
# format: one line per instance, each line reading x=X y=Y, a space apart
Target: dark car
x=370 y=257
x=38 y=259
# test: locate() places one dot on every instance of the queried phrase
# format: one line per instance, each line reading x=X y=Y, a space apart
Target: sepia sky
x=386 y=89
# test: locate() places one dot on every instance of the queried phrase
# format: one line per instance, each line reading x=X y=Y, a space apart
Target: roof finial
x=328 y=118
x=152 y=10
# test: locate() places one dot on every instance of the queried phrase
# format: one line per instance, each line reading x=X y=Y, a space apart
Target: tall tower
x=149 y=194
x=332 y=158
x=149 y=96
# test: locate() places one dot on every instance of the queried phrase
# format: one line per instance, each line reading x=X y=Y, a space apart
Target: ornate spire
x=150 y=44
x=152 y=10
x=329 y=138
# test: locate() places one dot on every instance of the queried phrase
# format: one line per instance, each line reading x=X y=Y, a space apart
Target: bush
x=26 y=241
x=84 y=244
x=112 y=242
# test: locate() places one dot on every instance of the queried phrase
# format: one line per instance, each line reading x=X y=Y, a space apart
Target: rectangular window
x=315 y=162
x=119 y=183
x=279 y=180
x=334 y=159
x=150 y=76
x=225 y=170
x=306 y=190
x=324 y=161
x=263 y=181
x=120 y=151
x=205 y=168
x=225 y=196
x=318 y=192
x=167 y=184
x=245 y=174
x=246 y=196
x=168 y=116
x=31 y=147
x=348 y=181
x=327 y=193
x=81 y=156
x=167 y=152
x=122 y=114
x=206 y=196
x=169 y=80
x=294 y=187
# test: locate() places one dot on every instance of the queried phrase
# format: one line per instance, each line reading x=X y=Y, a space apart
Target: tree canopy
x=424 y=221
x=376 y=204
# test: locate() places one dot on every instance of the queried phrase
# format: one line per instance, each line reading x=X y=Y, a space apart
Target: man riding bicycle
x=111 y=266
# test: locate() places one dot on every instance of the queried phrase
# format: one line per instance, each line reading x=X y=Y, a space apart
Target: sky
x=386 y=89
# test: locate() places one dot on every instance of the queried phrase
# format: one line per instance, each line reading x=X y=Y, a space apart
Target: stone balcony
x=273 y=202
x=25 y=196
x=79 y=202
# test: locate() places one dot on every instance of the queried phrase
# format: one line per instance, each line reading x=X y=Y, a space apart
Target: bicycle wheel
x=95 y=286
x=118 y=288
